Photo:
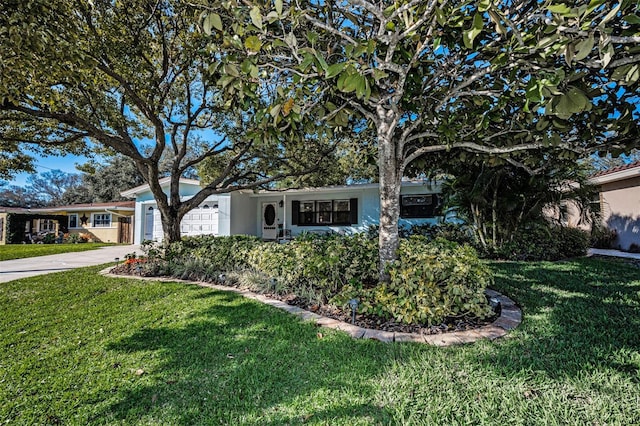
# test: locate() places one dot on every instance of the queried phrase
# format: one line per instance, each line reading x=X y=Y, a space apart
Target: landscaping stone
x=510 y=317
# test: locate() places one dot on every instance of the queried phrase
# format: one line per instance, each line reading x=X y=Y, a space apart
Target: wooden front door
x=124 y=230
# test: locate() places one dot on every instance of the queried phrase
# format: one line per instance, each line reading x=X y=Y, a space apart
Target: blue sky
x=44 y=164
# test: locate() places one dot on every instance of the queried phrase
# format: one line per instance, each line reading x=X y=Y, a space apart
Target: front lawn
x=77 y=348
x=21 y=251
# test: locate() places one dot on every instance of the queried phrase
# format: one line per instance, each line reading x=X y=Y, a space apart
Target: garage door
x=201 y=221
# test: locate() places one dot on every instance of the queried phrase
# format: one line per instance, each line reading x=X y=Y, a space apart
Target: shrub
x=318 y=265
x=634 y=248
x=75 y=239
x=602 y=237
x=544 y=243
x=213 y=253
x=449 y=231
x=430 y=281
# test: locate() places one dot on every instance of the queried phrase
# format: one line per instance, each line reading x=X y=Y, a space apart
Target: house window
x=47 y=225
x=102 y=220
x=73 y=220
x=325 y=212
x=419 y=206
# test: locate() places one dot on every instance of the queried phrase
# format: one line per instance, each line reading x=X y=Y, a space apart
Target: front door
x=148 y=224
x=124 y=230
x=269 y=221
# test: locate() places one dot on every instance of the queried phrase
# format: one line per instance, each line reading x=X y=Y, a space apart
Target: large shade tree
x=488 y=77
x=130 y=77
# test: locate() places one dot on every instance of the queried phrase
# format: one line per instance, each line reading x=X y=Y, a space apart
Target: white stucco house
x=281 y=214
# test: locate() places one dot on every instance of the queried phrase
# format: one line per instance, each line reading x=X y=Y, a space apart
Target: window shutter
x=353 y=211
x=295 y=212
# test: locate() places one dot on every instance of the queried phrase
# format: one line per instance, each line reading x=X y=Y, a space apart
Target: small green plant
x=75 y=239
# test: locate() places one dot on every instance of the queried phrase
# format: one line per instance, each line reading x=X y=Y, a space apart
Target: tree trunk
x=171 y=227
x=390 y=175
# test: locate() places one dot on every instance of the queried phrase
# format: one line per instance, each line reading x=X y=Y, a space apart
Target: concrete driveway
x=29 y=267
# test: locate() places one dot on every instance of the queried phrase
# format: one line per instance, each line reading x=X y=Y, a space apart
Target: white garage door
x=201 y=221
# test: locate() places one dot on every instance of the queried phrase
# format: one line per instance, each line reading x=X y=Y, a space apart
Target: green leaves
x=334 y=70
x=476 y=28
x=572 y=102
x=626 y=74
x=584 y=48
x=256 y=17
x=212 y=20
x=351 y=81
x=253 y=44
x=560 y=9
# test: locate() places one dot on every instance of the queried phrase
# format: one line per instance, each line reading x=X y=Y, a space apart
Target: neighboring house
x=620 y=203
x=282 y=214
x=100 y=222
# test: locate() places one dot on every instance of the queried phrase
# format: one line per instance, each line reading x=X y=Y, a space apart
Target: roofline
x=266 y=193
x=130 y=193
x=338 y=188
x=616 y=176
x=78 y=209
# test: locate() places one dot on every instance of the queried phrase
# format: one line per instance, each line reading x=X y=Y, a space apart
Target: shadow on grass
x=235 y=361
x=242 y=362
x=578 y=314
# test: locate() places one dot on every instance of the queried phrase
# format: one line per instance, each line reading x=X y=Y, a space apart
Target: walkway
x=29 y=267
x=614 y=253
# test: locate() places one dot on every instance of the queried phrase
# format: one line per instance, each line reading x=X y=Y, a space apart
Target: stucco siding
x=621 y=210
x=242 y=214
x=368 y=209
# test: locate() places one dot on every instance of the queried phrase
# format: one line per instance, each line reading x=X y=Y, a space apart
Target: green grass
x=21 y=251
x=72 y=345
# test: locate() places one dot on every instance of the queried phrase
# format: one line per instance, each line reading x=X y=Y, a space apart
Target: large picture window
x=420 y=206
x=102 y=220
x=325 y=212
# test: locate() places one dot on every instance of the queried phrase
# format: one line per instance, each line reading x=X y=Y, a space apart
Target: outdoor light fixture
x=494 y=303
x=274 y=282
x=281 y=203
x=117 y=259
x=222 y=278
x=353 y=303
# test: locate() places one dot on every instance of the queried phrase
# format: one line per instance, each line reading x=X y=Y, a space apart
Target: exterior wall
x=368 y=208
x=145 y=200
x=104 y=234
x=241 y=214
x=621 y=210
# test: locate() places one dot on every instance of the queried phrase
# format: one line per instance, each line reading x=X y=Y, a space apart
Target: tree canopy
x=132 y=77
x=495 y=77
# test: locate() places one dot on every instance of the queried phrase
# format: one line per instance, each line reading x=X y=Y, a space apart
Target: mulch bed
x=373 y=322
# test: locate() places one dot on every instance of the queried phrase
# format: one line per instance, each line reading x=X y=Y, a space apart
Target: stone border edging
x=510 y=317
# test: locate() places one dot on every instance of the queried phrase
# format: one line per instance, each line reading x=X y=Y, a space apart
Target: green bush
x=211 y=253
x=430 y=281
x=544 y=243
x=75 y=239
x=602 y=237
x=321 y=265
